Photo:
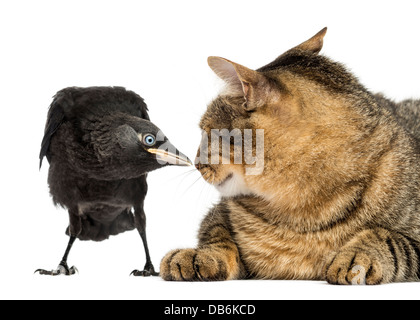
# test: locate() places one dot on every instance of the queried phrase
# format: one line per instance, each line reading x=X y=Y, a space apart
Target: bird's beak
x=176 y=158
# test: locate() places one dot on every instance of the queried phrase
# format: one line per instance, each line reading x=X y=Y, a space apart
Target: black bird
x=101 y=144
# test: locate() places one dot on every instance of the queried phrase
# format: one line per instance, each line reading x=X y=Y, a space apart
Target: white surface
x=159 y=49
x=121 y=287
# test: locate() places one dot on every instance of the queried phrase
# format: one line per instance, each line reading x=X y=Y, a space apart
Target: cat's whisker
x=183 y=174
x=189 y=188
x=204 y=187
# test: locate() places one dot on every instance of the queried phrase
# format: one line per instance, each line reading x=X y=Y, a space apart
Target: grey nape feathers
x=101 y=144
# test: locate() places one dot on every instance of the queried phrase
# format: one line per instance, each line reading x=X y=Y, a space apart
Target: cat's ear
x=315 y=43
x=240 y=80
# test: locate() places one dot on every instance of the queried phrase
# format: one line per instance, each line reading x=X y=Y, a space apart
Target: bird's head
x=133 y=146
x=158 y=147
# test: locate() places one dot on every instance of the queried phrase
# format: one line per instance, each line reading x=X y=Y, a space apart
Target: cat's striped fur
x=339 y=198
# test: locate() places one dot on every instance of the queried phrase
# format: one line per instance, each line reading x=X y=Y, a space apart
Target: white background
x=159 y=49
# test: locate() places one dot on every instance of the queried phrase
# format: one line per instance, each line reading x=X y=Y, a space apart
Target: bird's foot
x=148 y=271
x=62 y=269
x=144 y=273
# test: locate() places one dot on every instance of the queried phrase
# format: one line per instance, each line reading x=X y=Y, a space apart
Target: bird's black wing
x=56 y=117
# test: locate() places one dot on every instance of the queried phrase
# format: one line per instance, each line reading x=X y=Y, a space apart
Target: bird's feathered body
x=101 y=144
x=81 y=176
x=104 y=207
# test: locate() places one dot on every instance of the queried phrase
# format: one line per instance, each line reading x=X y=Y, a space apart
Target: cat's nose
x=200 y=158
x=200 y=166
x=197 y=163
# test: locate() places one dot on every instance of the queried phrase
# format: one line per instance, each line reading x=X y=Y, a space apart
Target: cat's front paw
x=354 y=266
x=193 y=265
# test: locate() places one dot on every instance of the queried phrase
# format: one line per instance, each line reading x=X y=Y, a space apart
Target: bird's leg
x=63 y=268
x=140 y=221
x=63 y=263
x=149 y=269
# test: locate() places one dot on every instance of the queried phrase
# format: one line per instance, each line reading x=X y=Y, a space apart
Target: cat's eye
x=149 y=140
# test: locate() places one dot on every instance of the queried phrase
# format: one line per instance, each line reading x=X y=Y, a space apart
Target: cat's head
x=307 y=115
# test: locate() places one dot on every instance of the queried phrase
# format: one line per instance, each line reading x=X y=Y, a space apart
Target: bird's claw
x=144 y=273
x=148 y=271
x=62 y=269
x=73 y=270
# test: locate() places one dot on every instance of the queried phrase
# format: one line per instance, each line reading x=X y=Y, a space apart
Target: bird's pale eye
x=149 y=140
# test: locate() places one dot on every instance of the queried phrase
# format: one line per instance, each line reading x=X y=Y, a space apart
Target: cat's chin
x=233 y=185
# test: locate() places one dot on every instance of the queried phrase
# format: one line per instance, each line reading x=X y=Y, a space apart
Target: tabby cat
x=339 y=196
